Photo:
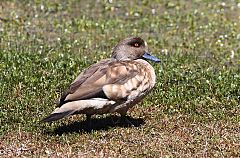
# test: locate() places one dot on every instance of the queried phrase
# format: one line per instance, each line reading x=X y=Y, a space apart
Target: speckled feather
x=111 y=85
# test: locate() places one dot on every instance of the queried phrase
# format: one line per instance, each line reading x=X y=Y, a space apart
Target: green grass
x=194 y=110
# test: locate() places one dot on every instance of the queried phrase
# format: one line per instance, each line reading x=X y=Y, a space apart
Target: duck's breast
x=138 y=86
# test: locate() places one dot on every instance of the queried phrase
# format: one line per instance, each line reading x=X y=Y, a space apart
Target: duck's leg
x=88 y=117
x=89 y=120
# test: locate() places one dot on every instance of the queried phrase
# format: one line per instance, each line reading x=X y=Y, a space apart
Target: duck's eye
x=136 y=45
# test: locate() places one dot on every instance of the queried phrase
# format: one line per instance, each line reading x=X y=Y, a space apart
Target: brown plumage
x=111 y=85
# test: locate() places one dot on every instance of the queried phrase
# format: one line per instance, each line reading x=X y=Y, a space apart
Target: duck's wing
x=74 y=90
x=104 y=79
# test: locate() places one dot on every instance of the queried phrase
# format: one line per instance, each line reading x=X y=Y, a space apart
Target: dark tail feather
x=57 y=116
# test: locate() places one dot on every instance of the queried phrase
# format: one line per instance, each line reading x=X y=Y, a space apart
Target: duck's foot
x=124 y=120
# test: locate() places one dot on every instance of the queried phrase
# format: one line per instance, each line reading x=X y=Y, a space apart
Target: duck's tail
x=56 y=116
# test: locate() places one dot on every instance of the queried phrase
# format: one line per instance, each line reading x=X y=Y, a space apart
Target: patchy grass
x=193 y=112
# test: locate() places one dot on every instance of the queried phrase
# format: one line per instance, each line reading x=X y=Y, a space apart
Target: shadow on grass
x=97 y=124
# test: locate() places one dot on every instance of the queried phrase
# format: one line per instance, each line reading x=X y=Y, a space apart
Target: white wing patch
x=80 y=105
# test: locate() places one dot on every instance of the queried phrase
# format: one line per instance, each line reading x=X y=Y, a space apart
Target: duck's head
x=131 y=49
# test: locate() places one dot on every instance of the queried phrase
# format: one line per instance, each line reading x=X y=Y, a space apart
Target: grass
x=193 y=111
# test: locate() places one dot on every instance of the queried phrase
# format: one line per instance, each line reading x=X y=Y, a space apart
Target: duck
x=112 y=85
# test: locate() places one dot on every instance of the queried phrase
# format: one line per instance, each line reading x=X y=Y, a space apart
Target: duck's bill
x=150 y=57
